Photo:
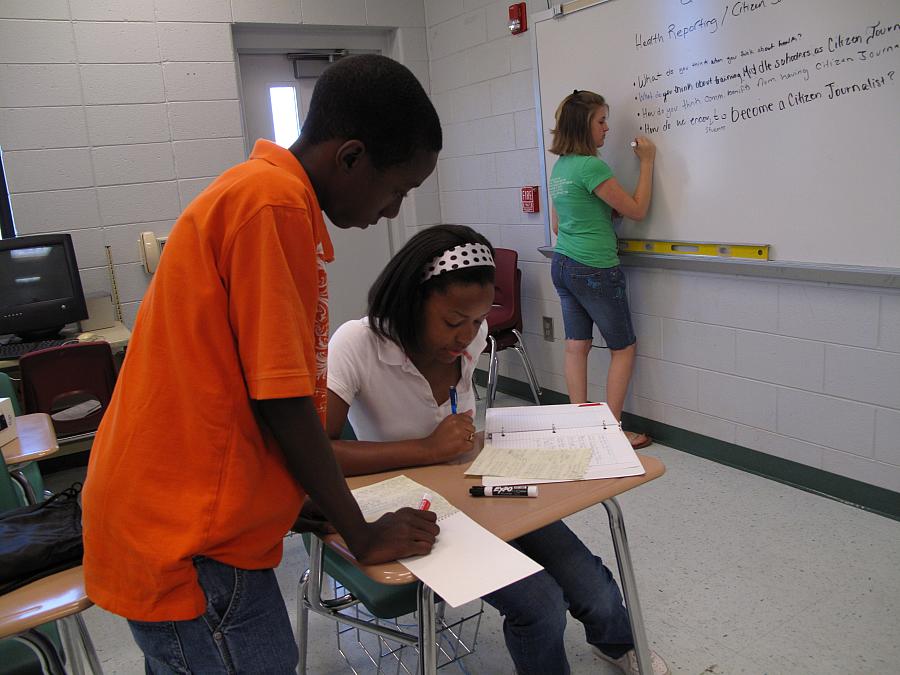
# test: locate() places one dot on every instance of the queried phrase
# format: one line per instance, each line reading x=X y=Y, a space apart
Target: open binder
x=572 y=425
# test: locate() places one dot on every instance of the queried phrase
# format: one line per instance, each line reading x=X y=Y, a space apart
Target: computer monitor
x=40 y=289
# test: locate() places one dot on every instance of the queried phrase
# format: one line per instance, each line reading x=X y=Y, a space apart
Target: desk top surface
x=116 y=335
x=506 y=517
x=36 y=439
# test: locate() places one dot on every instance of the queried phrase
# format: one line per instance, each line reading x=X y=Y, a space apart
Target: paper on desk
x=455 y=569
x=531 y=456
x=547 y=417
x=468 y=562
x=394 y=493
x=611 y=456
x=77 y=412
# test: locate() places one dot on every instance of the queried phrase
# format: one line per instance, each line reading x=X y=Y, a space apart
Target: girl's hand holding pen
x=454 y=436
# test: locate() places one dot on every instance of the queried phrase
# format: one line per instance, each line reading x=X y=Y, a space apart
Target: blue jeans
x=534 y=609
x=593 y=295
x=245 y=628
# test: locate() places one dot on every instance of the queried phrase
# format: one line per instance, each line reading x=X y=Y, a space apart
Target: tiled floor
x=736 y=573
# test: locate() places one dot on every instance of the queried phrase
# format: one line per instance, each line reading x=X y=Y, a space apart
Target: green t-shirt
x=585 y=221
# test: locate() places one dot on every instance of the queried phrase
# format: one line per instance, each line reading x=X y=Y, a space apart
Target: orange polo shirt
x=181 y=465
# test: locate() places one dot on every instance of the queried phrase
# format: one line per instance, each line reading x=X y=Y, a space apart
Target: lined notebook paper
x=547 y=418
x=531 y=454
x=571 y=425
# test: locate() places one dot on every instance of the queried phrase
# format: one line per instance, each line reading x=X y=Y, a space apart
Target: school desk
x=116 y=335
x=36 y=440
x=509 y=518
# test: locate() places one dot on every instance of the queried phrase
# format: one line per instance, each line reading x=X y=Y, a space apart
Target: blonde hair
x=572 y=135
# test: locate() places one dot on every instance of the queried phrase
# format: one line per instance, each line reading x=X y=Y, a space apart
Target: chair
x=25 y=473
x=505 y=322
x=380 y=603
x=58 y=597
x=30 y=614
x=8 y=390
x=376 y=609
x=72 y=383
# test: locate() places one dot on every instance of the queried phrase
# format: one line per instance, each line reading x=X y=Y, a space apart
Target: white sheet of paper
x=545 y=417
x=468 y=562
x=532 y=455
x=455 y=569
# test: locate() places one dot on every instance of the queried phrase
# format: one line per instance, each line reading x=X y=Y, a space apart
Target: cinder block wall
x=804 y=371
x=114 y=115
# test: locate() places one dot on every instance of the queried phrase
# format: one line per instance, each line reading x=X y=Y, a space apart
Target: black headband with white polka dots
x=464 y=255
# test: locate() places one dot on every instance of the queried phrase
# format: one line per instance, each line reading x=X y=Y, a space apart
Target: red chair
x=505 y=321
x=72 y=383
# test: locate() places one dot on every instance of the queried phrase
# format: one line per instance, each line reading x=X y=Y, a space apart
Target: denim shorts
x=593 y=295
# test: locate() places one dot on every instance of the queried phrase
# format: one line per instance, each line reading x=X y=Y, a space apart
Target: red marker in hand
x=425 y=504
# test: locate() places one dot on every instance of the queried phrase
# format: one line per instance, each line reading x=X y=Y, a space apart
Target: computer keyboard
x=16 y=349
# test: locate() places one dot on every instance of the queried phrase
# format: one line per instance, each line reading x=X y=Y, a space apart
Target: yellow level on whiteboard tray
x=708 y=249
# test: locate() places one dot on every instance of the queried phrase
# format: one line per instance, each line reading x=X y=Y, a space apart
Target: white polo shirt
x=389 y=399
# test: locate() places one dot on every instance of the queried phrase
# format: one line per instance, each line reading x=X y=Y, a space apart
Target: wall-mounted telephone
x=150 y=251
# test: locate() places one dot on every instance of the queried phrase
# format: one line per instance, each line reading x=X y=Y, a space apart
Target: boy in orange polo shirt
x=214 y=434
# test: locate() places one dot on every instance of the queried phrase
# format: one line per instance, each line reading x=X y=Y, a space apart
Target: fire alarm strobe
x=531 y=199
x=518 y=18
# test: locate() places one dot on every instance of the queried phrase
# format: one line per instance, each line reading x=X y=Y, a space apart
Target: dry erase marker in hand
x=633 y=144
x=503 y=491
x=452 y=400
x=425 y=504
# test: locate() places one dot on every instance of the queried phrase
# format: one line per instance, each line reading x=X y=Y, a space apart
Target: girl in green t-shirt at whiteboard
x=585 y=267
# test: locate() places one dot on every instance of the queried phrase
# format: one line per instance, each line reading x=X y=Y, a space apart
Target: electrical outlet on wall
x=548 y=328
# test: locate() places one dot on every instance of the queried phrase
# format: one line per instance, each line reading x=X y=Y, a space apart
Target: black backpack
x=39 y=540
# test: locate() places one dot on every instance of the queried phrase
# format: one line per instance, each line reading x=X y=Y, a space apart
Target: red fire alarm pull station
x=518 y=18
x=531 y=199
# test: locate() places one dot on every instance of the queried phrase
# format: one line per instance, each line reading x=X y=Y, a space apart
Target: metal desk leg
x=427 y=635
x=68 y=634
x=87 y=645
x=629 y=586
x=492 y=373
x=302 y=622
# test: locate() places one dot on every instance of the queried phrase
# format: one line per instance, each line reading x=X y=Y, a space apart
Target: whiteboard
x=776 y=121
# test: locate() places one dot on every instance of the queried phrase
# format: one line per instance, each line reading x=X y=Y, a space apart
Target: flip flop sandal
x=635 y=439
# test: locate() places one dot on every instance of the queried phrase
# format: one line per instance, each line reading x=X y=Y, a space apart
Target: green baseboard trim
x=847 y=490
x=520 y=389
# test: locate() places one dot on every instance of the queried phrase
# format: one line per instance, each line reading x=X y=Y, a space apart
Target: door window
x=285 y=116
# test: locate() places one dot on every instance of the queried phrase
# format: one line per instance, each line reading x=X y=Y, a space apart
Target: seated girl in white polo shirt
x=390 y=374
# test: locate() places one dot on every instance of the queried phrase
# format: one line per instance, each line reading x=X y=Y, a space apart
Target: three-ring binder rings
x=569 y=426
x=455 y=568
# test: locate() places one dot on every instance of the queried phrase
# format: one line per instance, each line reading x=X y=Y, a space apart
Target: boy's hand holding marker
x=403 y=533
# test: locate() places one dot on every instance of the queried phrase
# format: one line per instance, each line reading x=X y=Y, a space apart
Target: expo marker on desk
x=503 y=491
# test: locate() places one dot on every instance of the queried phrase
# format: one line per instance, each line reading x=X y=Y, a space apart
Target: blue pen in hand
x=452 y=400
